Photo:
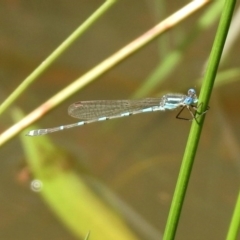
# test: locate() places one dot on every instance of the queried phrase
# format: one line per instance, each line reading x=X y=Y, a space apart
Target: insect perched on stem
x=100 y=110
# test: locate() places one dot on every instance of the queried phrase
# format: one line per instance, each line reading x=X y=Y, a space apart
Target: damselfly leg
x=193 y=110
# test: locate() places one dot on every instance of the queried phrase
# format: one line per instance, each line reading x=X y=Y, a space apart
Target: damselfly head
x=192 y=93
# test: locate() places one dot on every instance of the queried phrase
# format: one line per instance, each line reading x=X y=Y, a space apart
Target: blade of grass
x=56 y=54
x=234 y=227
x=224 y=77
x=195 y=132
x=66 y=193
x=87 y=237
x=173 y=58
x=103 y=67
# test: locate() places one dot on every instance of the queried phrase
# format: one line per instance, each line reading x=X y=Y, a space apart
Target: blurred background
x=137 y=159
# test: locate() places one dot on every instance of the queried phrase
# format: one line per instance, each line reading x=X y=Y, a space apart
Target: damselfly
x=100 y=110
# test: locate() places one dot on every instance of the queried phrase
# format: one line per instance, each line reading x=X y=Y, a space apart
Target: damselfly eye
x=191 y=92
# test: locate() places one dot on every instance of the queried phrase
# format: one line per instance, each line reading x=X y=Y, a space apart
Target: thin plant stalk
x=56 y=54
x=195 y=132
x=234 y=227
